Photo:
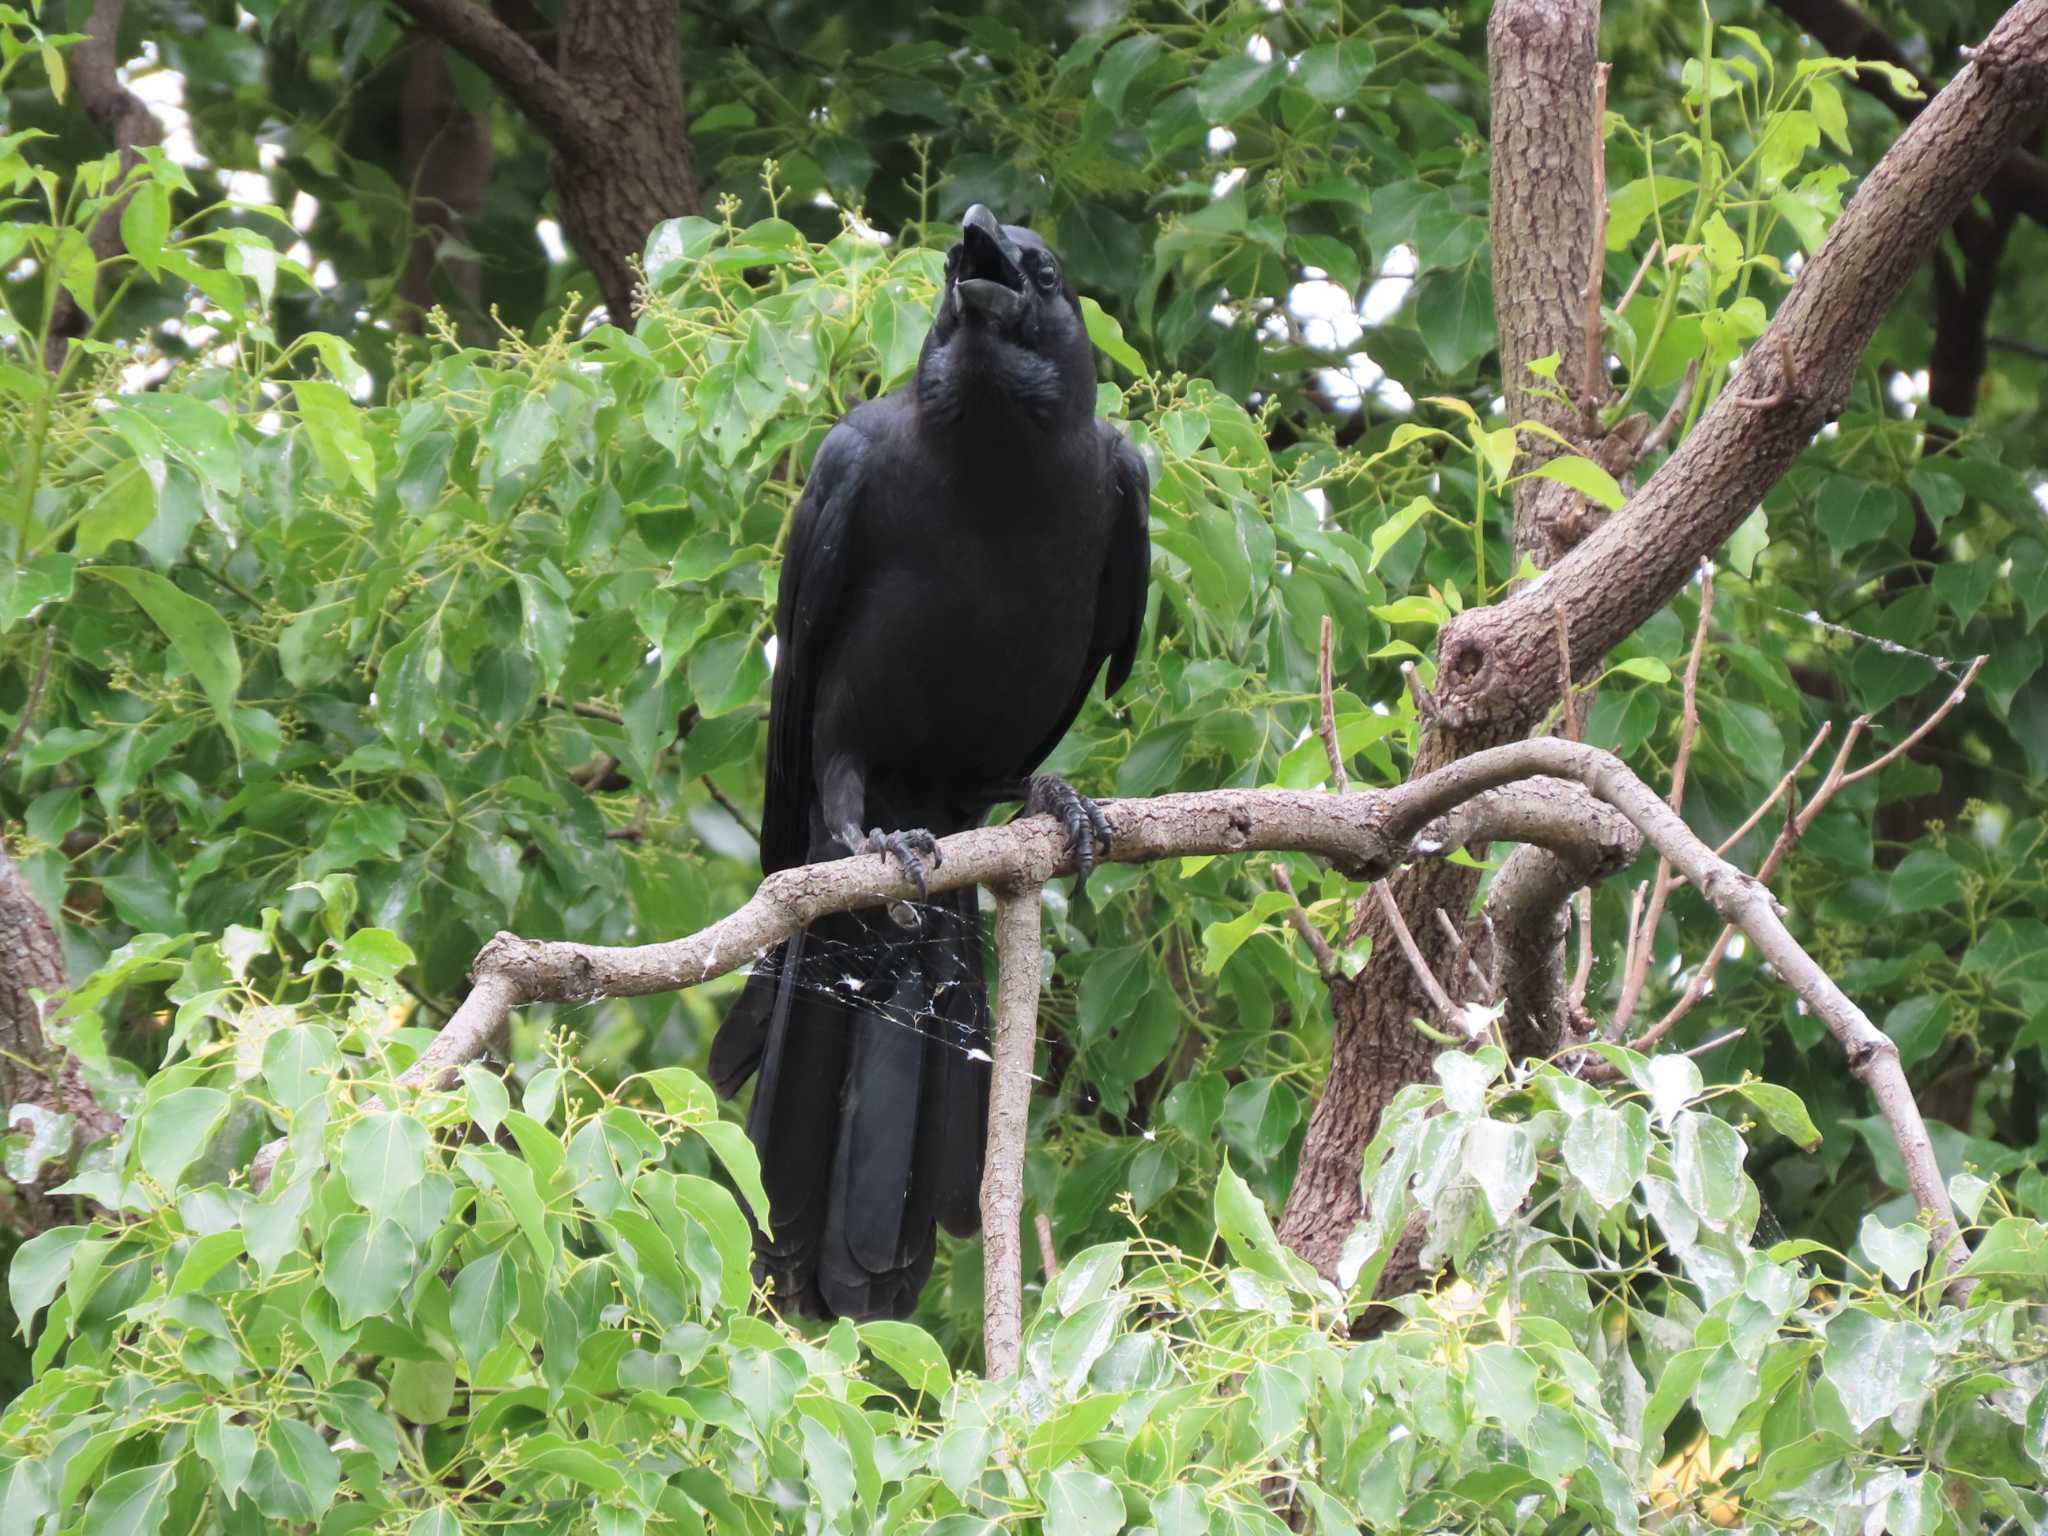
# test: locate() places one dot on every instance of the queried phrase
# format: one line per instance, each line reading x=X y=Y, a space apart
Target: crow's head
x=1008 y=329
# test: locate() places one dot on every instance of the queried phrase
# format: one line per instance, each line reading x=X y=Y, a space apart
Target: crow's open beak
x=989 y=281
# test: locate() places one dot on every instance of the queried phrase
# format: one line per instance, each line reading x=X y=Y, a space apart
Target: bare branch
x=1649 y=260
x=1645 y=937
x=1328 y=722
x=1660 y=434
x=1439 y=999
x=1009 y=1114
x=1297 y=915
x=1048 y=1257
x=726 y=804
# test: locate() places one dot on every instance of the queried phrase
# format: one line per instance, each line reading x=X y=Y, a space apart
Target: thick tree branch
x=1497 y=665
x=542 y=95
x=1009 y=1114
x=1844 y=31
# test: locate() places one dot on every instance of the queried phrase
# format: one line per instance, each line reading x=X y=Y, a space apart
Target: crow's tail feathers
x=872 y=1105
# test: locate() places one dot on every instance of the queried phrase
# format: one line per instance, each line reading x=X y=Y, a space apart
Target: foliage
x=525 y=1304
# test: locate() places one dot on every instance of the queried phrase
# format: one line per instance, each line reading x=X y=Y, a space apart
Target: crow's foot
x=909 y=848
x=1087 y=828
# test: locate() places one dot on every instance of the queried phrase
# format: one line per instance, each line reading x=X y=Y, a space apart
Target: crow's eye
x=1047 y=273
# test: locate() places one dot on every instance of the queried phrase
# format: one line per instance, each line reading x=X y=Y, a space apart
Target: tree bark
x=128 y=127
x=448 y=156
x=611 y=106
x=1498 y=666
x=1543 y=59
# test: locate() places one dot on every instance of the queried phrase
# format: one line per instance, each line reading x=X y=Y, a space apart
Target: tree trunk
x=620 y=56
x=448 y=155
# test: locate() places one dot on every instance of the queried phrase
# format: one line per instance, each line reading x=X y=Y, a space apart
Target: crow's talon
x=908 y=849
x=1087 y=829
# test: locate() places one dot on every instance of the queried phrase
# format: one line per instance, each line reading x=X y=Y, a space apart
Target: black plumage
x=967 y=554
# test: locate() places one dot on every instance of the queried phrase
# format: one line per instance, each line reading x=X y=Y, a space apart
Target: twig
x=1782 y=390
x=1582 y=973
x=1797 y=821
x=1627 y=294
x=1791 y=776
x=1049 y=1259
x=1567 y=692
x=1009 y=1114
x=1438 y=998
x=1464 y=952
x=584 y=708
x=1318 y=946
x=1714 y=1044
x=1328 y=725
x=1593 y=387
x=1660 y=434
x=731 y=809
x=1638 y=957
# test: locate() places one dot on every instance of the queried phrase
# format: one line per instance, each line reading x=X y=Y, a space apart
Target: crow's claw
x=1087 y=828
x=909 y=848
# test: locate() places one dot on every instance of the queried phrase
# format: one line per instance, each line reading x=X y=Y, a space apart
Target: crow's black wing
x=813 y=581
x=1120 y=597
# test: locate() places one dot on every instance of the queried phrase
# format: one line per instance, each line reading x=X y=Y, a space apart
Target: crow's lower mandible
x=967 y=554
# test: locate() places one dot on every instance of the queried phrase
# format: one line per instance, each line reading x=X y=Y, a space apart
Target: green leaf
x=335 y=427
x=368 y=1262
x=38 y=1272
x=741 y=1161
x=1706 y=1157
x=485 y=1300
x=1081 y=1503
x=1333 y=72
x=382 y=1157
x=1454 y=312
x=1782 y=1111
x=131 y=1503
x=199 y=636
x=1234 y=85
x=1648 y=668
x=145 y=221
x=1608 y=1151
x=175 y=1130
x=1107 y=332
x=307 y=1463
x=1900 y=1252
x=1223 y=939
x=1395 y=528
x=911 y=1353
x=207 y=1257
x=1583 y=476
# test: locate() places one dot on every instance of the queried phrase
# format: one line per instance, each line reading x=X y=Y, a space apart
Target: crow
x=966 y=555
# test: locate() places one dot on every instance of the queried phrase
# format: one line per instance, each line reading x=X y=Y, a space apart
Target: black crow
x=967 y=554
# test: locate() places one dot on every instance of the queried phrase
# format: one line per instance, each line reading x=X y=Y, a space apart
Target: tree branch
x=1369 y=831
x=1497 y=665
x=1009 y=1114
x=541 y=94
